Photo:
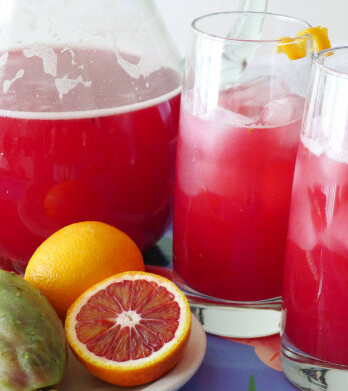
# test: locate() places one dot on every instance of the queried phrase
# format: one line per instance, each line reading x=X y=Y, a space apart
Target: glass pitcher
x=89 y=104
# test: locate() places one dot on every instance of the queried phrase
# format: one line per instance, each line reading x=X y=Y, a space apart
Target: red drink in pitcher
x=98 y=156
x=233 y=182
x=316 y=272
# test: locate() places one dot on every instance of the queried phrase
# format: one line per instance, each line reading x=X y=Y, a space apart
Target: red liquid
x=232 y=201
x=316 y=268
x=109 y=164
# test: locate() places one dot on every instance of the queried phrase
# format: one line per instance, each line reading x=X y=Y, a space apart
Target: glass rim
x=249 y=41
x=327 y=69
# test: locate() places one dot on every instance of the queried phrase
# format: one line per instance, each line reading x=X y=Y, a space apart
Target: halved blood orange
x=129 y=329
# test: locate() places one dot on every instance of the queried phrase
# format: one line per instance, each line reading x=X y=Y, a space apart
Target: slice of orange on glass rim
x=129 y=329
x=296 y=48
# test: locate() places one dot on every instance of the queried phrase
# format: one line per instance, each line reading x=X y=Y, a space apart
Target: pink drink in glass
x=233 y=180
x=316 y=272
x=98 y=156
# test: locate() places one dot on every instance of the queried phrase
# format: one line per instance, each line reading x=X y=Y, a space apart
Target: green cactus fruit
x=33 y=350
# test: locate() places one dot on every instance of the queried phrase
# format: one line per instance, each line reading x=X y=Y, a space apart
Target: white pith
x=167 y=347
x=128 y=319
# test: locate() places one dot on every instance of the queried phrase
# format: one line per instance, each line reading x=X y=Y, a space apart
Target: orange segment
x=296 y=48
x=129 y=329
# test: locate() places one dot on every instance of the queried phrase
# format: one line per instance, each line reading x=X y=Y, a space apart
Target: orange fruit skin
x=296 y=48
x=137 y=377
x=129 y=376
x=78 y=256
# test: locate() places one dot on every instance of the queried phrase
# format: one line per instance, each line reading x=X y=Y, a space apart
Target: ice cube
x=223 y=180
x=189 y=174
x=206 y=142
x=250 y=98
x=282 y=111
x=336 y=238
x=329 y=171
x=277 y=112
x=323 y=136
x=301 y=227
x=314 y=135
x=223 y=118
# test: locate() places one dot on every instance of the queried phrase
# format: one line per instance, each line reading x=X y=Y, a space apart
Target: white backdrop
x=332 y=14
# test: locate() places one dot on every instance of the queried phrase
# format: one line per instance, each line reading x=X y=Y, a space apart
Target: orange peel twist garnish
x=296 y=48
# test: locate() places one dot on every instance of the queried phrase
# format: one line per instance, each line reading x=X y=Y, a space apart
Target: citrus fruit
x=296 y=48
x=78 y=256
x=129 y=329
x=73 y=200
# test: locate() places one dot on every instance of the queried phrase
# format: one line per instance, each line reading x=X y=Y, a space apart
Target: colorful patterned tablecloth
x=229 y=364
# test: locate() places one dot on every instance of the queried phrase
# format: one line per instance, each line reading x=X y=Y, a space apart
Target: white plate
x=78 y=379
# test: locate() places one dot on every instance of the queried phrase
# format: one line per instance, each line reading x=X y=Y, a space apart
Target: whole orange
x=77 y=257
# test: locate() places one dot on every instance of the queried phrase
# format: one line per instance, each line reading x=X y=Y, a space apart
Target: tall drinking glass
x=241 y=111
x=89 y=110
x=315 y=338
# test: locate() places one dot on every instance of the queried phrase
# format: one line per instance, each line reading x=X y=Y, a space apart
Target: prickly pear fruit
x=32 y=340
